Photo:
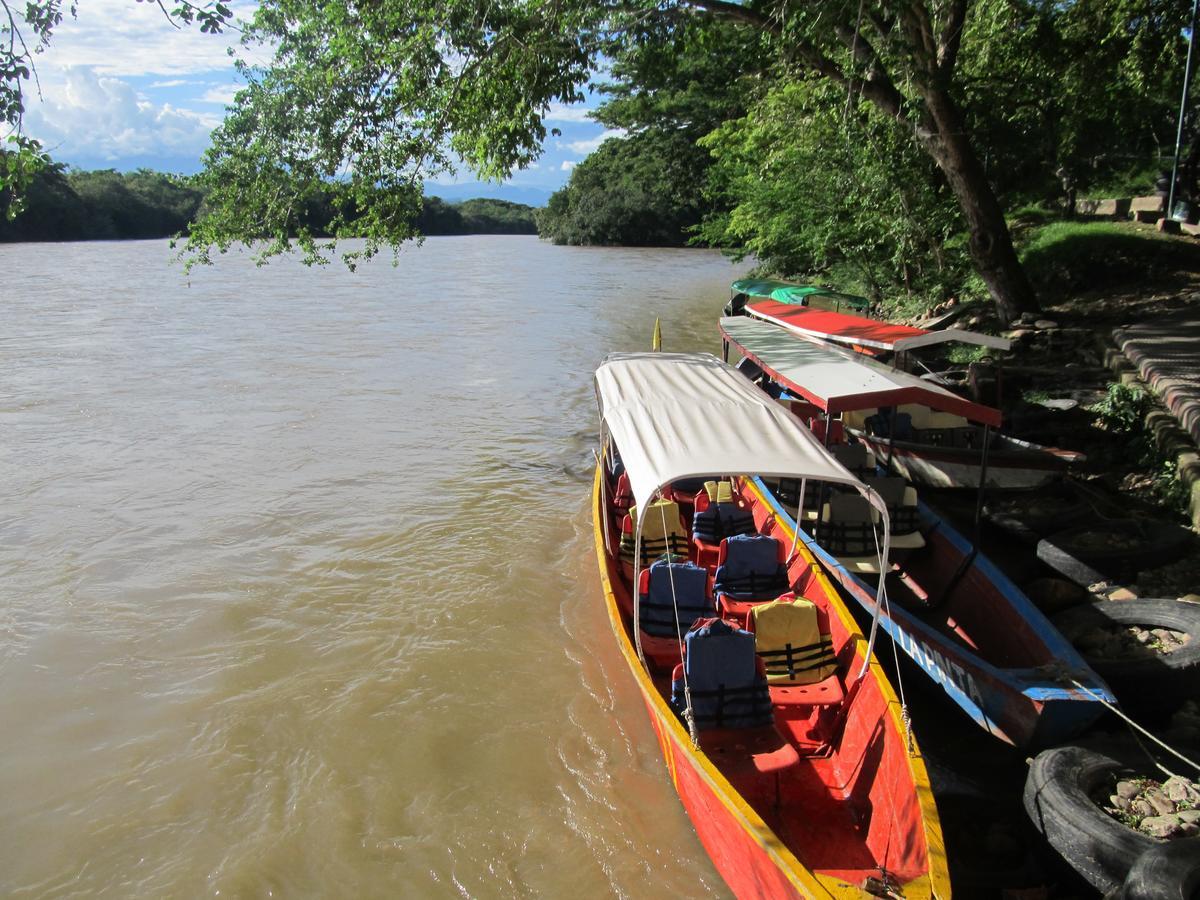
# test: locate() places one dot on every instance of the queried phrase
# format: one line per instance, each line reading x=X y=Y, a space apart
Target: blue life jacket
x=752 y=569
x=682 y=585
x=721 y=520
x=728 y=688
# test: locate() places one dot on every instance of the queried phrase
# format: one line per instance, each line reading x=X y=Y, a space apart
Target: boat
x=799 y=295
x=799 y=774
x=959 y=618
x=927 y=433
x=869 y=336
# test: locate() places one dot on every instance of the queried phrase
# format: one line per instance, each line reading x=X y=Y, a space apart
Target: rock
x=1178 y=789
x=1127 y=790
x=1060 y=403
x=1160 y=826
x=1187 y=829
x=1122 y=593
x=1141 y=808
x=1161 y=802
x=1099 y=587
x=1191 y=598
x=1027 y=318
x=1118 y=802
x=1044 y=323
x=1189 y=816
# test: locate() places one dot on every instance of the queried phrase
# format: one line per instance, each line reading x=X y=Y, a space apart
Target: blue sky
x=122 y=88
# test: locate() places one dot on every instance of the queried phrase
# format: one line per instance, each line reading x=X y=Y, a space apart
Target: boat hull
x=1017 y=465
x=747 y=852
x=1033 y=704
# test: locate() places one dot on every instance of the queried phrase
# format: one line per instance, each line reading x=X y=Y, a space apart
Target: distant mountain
x=530 y=196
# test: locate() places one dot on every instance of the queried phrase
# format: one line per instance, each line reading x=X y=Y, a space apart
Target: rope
x=688 y=715
x=1138 y=728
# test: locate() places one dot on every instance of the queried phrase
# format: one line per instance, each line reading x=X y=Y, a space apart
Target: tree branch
x=737 y=12
x=951 y=37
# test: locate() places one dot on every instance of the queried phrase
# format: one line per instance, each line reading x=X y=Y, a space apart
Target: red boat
x=780 y=731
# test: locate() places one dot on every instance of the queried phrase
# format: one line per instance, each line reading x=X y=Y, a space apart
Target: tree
x=378 y=96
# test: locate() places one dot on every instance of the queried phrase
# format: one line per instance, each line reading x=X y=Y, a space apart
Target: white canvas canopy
x=687 y=415
x=837 y=380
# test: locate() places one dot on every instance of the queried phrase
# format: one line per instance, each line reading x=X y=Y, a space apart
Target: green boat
x=796 y=294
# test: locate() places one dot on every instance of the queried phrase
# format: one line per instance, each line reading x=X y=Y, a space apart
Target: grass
x=1066 y=257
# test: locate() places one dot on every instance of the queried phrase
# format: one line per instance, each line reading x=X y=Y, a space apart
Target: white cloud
x=88 y=115
x=561 y=112
x=222 y=93
x=567 y=165
x=585 y=147
x=117 y=37
x=174 y=82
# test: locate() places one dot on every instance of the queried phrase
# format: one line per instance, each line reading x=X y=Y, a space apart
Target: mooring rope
x=1138 y=728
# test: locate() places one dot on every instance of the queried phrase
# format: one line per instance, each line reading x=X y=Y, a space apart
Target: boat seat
x=684 y=490
x=837 y=431
x=622 y=497
x=847 y=532
x=880 y=425
x=719 y=514
x=731 y=703
x=667 y=587
x=750 y=569
x=662 y=532
x=791 y=637
x=901 y=502
x=854 y=457
x=724 y=676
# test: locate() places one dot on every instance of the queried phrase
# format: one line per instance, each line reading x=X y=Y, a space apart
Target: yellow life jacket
x=788 y=639
x=662 y=532
x=719 y=491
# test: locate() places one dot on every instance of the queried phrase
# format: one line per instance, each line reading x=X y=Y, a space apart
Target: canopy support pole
x=969 y=559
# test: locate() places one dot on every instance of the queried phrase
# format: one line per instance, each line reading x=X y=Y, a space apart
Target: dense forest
x=71 y=205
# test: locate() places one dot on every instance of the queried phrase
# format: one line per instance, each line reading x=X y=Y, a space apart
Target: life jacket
x=847 y=526
x=721 y=520
x=789 y=641
x=751 y=569
x=662 y=532
x=672 y=586
x=724 y=677
x=892 y=490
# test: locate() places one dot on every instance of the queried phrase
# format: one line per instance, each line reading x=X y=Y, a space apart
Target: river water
x=297 y=593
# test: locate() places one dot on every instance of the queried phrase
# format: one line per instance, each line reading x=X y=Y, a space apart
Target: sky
x=123 y=88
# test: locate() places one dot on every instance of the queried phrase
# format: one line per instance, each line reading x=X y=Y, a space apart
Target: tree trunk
x=990 y=242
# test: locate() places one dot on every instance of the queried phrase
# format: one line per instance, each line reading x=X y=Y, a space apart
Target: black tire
x=1084 y=555
x=1168 y=871
x=1031 y=516
x=1157 y=682
x=1058 y=799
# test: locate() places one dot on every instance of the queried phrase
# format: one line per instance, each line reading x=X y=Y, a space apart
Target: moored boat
x=950 y=609
x=799 y=295
x=865 y=335
x=929 y=435
x=796 y=768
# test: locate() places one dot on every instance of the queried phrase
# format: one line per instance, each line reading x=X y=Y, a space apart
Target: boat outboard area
x=959 y=618
x=786 y=743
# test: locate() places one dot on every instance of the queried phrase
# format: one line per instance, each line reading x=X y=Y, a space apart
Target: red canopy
x=847 y=329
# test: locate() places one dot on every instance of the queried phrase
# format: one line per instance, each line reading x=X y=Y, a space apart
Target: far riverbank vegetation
x=71 y=205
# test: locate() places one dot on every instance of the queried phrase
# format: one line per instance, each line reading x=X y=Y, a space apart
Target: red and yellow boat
x=797 y=768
